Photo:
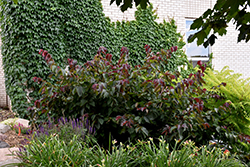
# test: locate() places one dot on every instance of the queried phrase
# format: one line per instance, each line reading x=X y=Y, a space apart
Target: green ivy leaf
x=15 y=1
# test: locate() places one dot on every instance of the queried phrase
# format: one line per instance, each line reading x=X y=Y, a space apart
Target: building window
x=194 y=52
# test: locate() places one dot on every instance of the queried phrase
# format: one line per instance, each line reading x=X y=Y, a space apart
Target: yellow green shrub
x=236 y=91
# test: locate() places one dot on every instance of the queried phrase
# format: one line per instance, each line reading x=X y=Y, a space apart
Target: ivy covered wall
x=71 y=29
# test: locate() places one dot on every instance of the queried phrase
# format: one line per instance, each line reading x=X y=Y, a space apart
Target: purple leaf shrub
x=135 y=101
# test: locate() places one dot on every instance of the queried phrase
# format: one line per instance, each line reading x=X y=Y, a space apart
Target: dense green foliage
x=144 y=30
x=134 y=102
x=236 y=91
x=71 y=29
x=55 y=152
x=217 y=19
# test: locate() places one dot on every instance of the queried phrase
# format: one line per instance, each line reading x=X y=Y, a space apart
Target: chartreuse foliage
x=71 y=29
x=236 y=91
x=128 y=102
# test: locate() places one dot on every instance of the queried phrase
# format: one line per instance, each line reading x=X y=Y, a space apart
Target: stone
x=24 y=122
x=16 y=121
x=8 y=162
x=9 y=121
x=4 y=144
x=4 y=128
x=4 y=152
x=2 y=137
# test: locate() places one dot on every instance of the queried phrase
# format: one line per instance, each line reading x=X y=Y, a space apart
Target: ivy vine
x=72 y=29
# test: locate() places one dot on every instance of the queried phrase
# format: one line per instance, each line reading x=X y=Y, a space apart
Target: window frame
x=190 y=58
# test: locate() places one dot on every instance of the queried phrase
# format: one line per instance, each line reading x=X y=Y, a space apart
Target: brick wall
x=2 y=84
x=177 y=9
x=235 y=55
x=226 y=50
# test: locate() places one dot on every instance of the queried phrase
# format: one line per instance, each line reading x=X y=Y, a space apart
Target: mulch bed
x=12 y=137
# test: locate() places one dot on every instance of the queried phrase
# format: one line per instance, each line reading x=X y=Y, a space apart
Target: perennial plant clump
x=55 y=152
x=65 y=129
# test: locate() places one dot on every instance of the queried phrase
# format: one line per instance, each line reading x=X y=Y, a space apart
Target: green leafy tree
x=218 y=18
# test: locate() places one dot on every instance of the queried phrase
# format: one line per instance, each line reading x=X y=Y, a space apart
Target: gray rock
x=3 y=144
x=16 y=121
x=23 y=122
x=4 y=128
x=6 y=152
x=2 y=137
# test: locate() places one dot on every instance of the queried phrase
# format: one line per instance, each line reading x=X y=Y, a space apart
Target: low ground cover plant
x=55 y=152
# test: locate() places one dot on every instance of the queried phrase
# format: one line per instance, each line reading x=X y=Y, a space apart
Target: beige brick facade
x=226 y=50
x=3 y=102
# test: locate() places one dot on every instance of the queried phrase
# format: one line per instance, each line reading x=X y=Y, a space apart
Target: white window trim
x=198 y=58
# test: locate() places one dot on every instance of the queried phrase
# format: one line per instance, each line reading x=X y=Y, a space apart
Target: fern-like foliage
x=236 y=90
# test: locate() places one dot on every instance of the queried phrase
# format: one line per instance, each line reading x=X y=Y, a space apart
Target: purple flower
x=62 y=120
x=42 y=129
x=90 y=129
x=73 y=124
x=49 y=123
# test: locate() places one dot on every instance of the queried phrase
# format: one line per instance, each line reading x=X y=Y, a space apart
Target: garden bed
x=12 y=138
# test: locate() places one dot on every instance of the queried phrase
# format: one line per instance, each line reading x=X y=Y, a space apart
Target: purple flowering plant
x=65 y=128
